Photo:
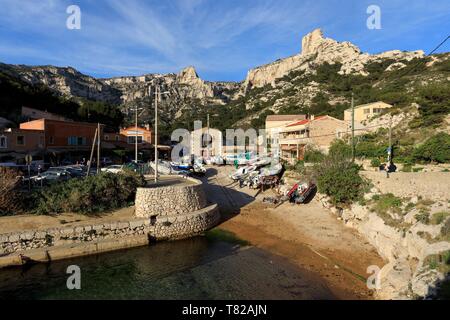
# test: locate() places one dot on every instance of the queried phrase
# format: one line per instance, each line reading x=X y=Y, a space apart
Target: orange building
x=144 y=135
x=64 y=134
x=18 y=140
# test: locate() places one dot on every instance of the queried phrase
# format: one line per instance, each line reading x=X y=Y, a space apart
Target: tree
x=435 y=149
x=338 y=177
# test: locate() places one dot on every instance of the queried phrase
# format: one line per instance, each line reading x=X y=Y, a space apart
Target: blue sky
x=223 y=39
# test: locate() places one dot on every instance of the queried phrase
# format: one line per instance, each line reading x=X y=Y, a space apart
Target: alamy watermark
x=374 y=281
x=374 y=20
x=74 y=280
x=250 y=141
x=73 y=22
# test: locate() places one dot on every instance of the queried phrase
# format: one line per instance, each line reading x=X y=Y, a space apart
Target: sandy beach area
x=307 y=235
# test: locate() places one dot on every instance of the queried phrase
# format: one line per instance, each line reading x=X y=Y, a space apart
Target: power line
x=418 y=63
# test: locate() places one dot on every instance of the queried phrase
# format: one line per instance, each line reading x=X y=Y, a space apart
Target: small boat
x=242 y=172
x=301 y=192
x=272 y=171
x=199 y=169
x=163 y=167
x=218 y=161
x=180 y=166
x=262 y=162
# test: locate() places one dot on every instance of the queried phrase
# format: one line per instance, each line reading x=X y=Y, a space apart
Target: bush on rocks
x=338 y=177
x=93 y=194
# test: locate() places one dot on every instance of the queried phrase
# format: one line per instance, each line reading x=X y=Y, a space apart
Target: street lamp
x=158 y=94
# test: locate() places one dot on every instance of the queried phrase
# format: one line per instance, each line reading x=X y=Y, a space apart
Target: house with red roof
x=319 y=132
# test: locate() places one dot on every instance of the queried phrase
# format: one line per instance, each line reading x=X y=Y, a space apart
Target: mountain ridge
x=288 y=83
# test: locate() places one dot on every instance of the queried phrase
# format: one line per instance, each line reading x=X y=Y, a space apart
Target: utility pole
x=136 y=137
x=209 y=154
x=92 y=153
x=98 y=147
x=390 y=151
x=353 y=128
x=390 y=140
x=156 y=132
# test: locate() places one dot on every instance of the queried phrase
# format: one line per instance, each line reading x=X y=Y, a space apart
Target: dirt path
x=308 y=235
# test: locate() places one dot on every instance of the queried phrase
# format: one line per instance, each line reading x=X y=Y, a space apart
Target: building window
x=3 y=143
x=366 y=111
x=76 y=141
x=106 y=138
x=117 y=138
x=132 y=140
x=20 y=140
x=52 y=140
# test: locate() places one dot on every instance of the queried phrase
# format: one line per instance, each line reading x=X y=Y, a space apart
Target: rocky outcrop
x=316 y=50
x=65 y=81
x=406 y=274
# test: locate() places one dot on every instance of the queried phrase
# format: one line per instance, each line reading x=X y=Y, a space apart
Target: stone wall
x=164 y=213
x=159 y=228
x=171 y=200
x=405 y=276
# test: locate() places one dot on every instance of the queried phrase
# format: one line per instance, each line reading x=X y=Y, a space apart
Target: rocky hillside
x=318 y=80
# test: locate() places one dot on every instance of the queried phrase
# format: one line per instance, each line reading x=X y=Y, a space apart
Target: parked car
x=75 y=172
x=106 y=162
x=51 y=176
x=132 y=166
x=114 y=169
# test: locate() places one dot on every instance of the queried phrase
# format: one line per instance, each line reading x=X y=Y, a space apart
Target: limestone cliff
x=316 y=50
x=286 y=85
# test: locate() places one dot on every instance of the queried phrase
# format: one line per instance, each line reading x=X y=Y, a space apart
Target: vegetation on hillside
x=415 y=83
x=15 y=93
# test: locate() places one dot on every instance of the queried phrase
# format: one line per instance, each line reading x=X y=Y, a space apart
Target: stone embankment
x=407 y=274
x=163 y=213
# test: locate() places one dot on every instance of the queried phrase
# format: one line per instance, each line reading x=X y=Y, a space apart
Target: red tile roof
x=303 y=122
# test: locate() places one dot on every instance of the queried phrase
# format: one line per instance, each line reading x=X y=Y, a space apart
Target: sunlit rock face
x=316 y=50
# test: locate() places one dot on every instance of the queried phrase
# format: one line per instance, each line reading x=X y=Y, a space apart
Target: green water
x=200 y=268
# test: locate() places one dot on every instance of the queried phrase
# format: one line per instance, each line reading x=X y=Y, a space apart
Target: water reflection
x=193 y=269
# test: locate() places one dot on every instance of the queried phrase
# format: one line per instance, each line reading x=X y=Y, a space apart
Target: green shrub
x=90 y=195
x=445 y=231
x=340 y=149
x=433 y=100
x=375 y=163
x=439 y=261
x=386 y=202
x=439 y=217
x=423 y=217
x=339 y=179
x=313 y=156
x=407 y=168
x=435 y=149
